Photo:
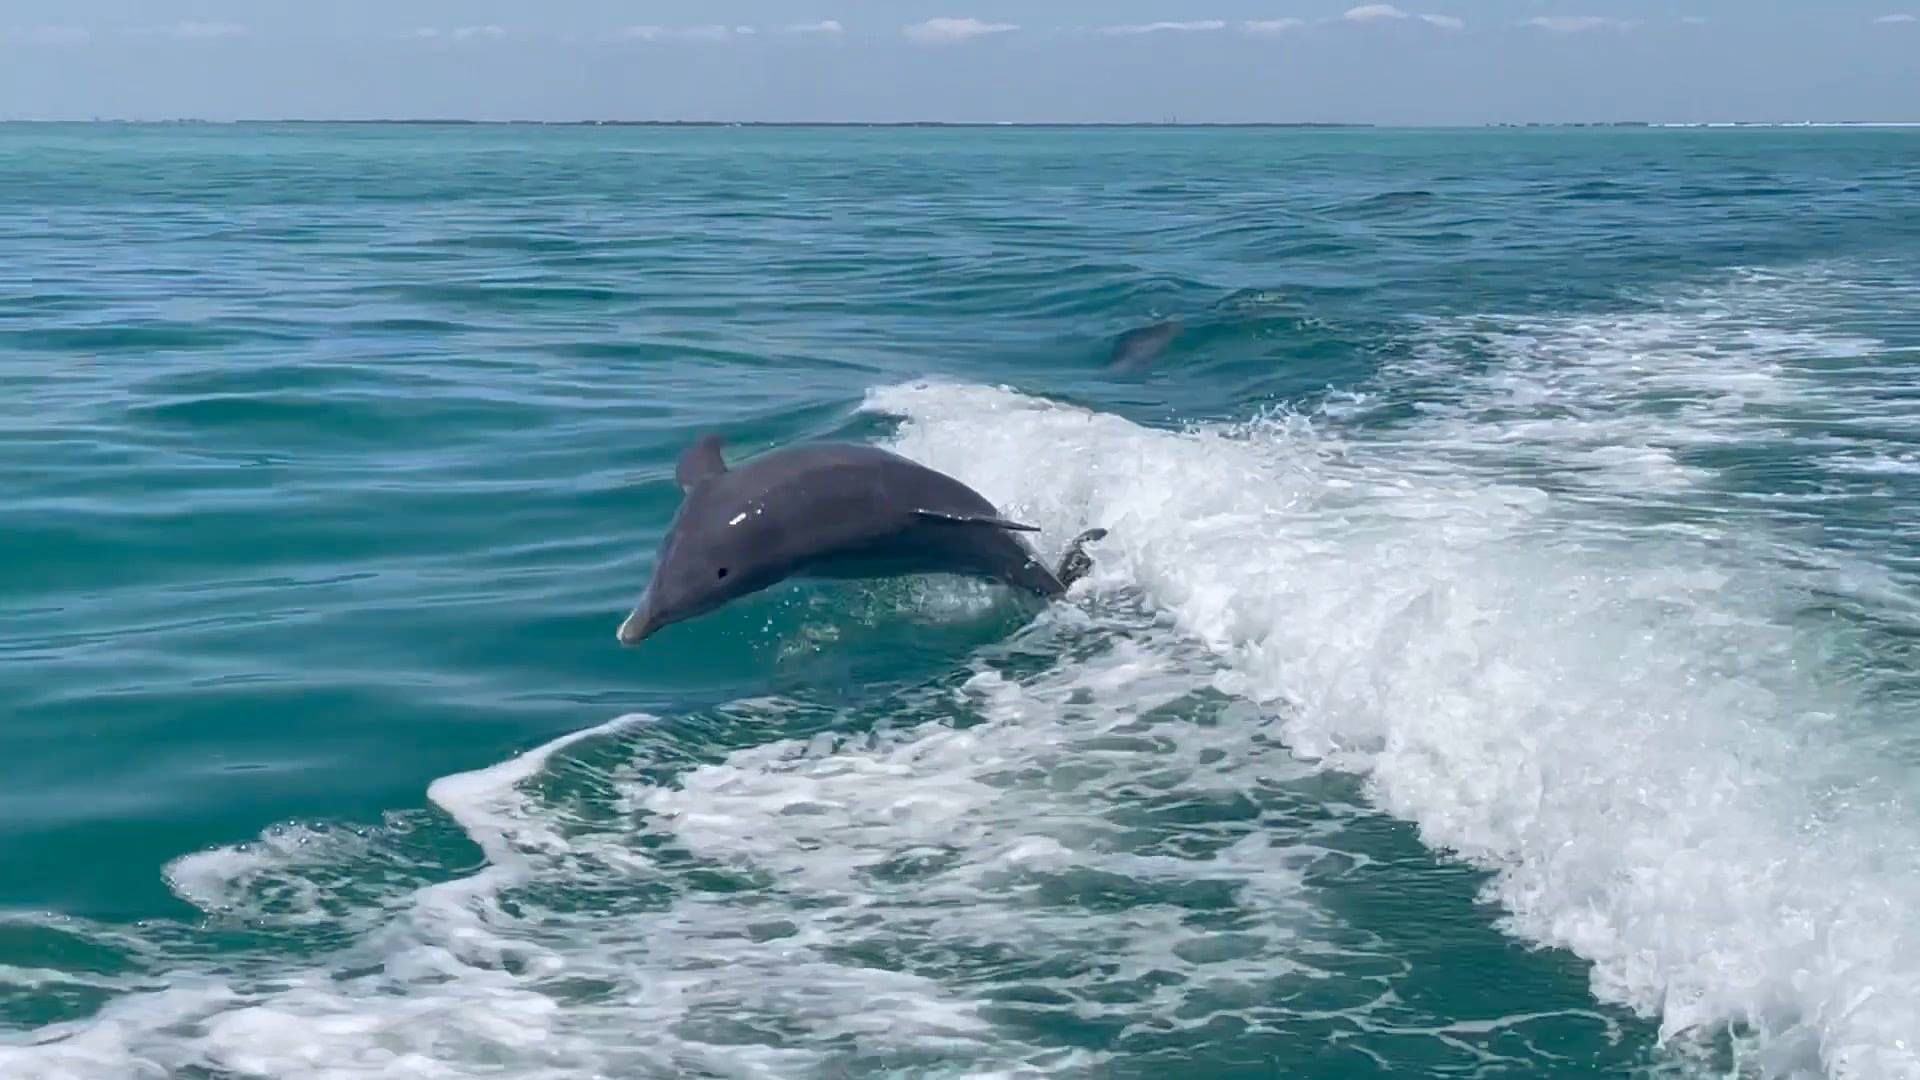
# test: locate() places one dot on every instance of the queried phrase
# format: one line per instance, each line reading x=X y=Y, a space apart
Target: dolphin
x=1142 y=345
x=828 y=510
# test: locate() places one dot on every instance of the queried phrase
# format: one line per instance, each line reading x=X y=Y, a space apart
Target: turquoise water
x=1502 y=663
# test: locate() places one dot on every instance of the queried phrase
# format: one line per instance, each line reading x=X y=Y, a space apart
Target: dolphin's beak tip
x=633 y=630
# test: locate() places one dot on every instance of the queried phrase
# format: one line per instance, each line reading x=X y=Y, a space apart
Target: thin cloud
x=1271 y=26
x=1166 y=27
x=824 y=26
x=713 y=32
x=942 y=31
x=204 y=31
x=1368 y=13
x=51 y=35
x=1576 y=24
x=1902 y=17
x=1695 y=20
x=488 y=32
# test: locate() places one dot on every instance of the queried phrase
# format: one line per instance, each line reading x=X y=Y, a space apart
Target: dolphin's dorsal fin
x=701 y=461
x=975 y=519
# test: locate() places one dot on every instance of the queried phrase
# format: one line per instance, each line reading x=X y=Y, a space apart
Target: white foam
x=1625 y=724
x=1878 y=462
x=1612 y=403
x=881 y=860
x=1618 y=717
x=490 y=805
x=289 y=874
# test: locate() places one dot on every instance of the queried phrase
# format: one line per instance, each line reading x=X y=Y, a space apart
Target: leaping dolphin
x=828 y=510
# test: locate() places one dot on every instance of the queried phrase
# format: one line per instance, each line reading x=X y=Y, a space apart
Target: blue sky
x=1414 y=62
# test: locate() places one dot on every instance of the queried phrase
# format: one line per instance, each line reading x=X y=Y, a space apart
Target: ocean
x=1502 y=661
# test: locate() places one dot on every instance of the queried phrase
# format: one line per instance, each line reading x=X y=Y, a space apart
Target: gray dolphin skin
x=1142 y=345
x=828 y=510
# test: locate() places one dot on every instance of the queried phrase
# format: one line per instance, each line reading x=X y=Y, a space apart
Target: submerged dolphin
x=828 y=510
x=1142 y=345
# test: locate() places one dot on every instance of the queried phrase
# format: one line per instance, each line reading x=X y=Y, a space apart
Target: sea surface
x=1502 y=662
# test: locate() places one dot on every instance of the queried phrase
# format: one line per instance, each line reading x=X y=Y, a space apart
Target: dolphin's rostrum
x=828 y=510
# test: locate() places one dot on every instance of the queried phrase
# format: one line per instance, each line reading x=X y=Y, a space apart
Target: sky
x=1417 y=62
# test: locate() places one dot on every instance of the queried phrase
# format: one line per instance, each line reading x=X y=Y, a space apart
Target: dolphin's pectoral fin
x=1075 y=564
x=701 y=461
x=975 y=519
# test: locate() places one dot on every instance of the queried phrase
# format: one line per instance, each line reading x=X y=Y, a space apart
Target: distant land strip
x=993 y=124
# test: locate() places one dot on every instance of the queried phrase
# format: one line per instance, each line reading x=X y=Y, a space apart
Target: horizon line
x=450 y=121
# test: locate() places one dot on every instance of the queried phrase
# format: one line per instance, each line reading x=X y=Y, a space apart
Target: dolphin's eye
x=723 y=572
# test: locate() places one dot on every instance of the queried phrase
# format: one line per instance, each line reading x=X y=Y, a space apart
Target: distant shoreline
x=454 y=122
x=991 y=124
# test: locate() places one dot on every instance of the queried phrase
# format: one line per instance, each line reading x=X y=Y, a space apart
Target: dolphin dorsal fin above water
x=701 y=461
x=975 y=519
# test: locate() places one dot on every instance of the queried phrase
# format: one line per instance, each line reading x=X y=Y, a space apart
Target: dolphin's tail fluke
x=1075 y=564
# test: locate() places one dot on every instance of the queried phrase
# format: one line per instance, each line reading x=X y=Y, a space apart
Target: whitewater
x=1520 y=616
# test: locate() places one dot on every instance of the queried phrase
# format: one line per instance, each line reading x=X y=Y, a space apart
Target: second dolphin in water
x=1138 y=348
x=828 y=510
